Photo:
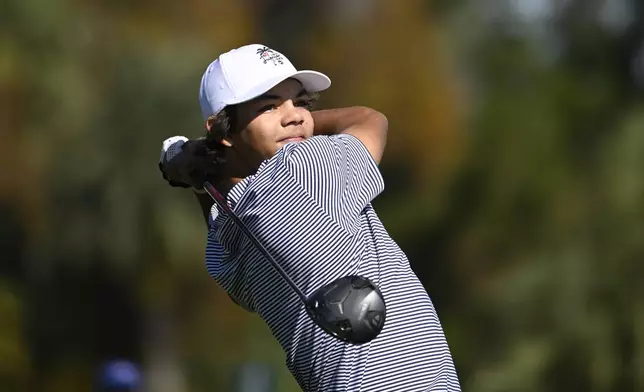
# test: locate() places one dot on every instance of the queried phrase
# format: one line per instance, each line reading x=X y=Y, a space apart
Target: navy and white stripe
x=310 y=205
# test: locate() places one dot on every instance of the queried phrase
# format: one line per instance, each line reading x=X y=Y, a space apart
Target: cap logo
x=266 y=55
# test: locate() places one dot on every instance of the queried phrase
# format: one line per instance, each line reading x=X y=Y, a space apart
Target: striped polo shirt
x=310 y=205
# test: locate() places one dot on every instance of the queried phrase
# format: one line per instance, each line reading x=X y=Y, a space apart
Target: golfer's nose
x=292 y=114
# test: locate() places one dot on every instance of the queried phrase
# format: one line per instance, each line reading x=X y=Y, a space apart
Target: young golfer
x=303 y=182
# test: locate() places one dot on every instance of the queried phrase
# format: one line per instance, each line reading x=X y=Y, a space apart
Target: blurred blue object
x=119 y=375
x=255 y=377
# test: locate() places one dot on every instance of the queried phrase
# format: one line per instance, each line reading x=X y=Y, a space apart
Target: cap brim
x=312 y=82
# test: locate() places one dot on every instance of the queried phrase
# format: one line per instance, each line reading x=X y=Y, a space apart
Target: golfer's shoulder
x=324 y=150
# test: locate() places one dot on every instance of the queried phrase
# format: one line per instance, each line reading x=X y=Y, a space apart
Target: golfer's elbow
x=373 y=132
x=382 y=126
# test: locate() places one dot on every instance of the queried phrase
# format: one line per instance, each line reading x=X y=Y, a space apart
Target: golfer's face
x=275 y=118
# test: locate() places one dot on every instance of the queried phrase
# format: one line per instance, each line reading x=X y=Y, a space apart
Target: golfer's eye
x=305 y=103
x=267 y=108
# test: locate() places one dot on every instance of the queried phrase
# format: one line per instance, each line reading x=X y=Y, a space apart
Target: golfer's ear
x=210 y=129
x=227 y=142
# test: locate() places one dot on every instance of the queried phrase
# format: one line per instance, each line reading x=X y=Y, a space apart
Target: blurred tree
x=549 y=295
x=103 y=79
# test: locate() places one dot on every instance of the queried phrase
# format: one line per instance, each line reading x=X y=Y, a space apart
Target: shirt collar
x=234 y=196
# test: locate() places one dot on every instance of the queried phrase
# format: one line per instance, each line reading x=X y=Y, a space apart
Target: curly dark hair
x=225 y=123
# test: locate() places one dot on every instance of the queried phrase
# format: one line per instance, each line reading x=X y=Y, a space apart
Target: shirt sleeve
x=338 y=173
x=223 y=271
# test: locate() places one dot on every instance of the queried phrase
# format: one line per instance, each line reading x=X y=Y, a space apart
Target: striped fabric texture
x=310 y=205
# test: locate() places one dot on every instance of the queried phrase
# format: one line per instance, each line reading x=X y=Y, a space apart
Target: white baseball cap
x=247 y=72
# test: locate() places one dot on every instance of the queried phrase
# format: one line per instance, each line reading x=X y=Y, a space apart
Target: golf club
x=350 y=308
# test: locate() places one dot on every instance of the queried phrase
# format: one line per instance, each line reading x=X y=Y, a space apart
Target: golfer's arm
x=368 y=125
x=205 y=203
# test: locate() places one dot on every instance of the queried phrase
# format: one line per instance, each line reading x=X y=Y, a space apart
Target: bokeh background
x=514 y=171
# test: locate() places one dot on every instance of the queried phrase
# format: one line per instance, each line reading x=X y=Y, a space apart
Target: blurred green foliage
x=514 y=179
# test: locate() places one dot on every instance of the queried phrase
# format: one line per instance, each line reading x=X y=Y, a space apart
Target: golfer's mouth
x=292 y=139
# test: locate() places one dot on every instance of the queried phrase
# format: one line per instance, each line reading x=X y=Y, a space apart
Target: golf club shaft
x=221 y=201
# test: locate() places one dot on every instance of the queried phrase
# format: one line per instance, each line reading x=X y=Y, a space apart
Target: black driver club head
x=351 y=308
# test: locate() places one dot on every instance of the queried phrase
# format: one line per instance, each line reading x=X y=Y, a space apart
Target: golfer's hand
x=184 y=164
